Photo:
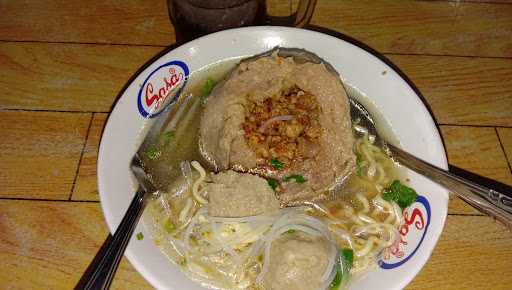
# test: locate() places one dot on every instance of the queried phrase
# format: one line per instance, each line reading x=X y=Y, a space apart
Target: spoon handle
x=100 y=272
x=489 y=201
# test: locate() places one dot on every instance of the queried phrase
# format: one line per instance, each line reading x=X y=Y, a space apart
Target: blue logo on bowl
x=412 y=233
x=161 y=88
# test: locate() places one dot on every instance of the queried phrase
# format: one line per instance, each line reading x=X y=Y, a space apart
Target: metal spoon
x=486 y=200
x=101 y=270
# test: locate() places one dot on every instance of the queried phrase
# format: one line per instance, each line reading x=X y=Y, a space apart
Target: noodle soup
x=321 y=243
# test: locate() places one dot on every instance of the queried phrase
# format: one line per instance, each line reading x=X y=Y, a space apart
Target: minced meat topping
x=283 y=126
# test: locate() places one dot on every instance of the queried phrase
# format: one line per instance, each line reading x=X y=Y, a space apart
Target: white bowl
x=396 y=100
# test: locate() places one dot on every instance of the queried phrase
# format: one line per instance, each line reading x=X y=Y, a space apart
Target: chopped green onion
x=169 y=226
x=276 y=164
x=272 y=183
x=208 y=87
x=167 y=137
x=403 y=195
x=343 y=267
x=151 y=152
x=296 y=177
x=348 y=256
x=336 y=282
x=139 y=236
x=291 y=231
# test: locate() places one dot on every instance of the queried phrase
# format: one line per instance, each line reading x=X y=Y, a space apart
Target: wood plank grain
x=463 y=90
x=422 y=27
x=40 y=153
x=484 y=1
x=488 y=1
x=476 y=150
x=86 y=186
x=505 y=135
x=132 y=21
x=473 y=253
x=114 y=22
x=92 y=81
x=66 y=77
x=48 y=245
x=279 y=7
x=428 y=27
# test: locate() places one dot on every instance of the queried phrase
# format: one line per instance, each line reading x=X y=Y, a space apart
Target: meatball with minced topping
x=278 y=118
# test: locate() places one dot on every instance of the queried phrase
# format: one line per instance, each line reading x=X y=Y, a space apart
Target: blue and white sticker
x=161 y=88
x=412 y=232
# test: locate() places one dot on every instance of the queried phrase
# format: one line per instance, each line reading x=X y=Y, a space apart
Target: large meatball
x=283 y=120
x=233 y=194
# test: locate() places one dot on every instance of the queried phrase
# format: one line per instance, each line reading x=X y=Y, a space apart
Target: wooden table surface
x=63 y=63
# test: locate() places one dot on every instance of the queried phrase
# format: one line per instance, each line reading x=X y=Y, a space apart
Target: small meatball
x=234 y=194
x=297 y=261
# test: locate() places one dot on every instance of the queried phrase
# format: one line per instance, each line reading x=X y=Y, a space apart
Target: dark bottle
x=195 y=18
